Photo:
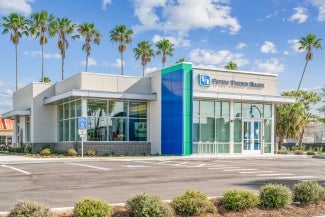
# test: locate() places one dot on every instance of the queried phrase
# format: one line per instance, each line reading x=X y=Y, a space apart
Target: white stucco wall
x=155 y=114
x=44 y=119
x=96 y=82
x=270 y=82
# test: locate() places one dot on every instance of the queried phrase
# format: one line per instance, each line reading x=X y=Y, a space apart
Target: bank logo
x=204 y=80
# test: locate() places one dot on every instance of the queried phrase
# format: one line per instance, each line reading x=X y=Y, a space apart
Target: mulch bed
x=291 y=211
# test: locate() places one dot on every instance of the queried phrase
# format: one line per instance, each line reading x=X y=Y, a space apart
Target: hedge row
x=190 y=203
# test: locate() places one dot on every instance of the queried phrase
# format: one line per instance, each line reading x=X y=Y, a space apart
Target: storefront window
x=27 y=128
x=211 y=124
x=68 y=113
x=207 y=129
x=267 y=111
x=108 y=120
x=237 y=110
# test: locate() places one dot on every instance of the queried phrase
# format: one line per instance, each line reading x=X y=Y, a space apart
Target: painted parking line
x=238 y=170
x=223 y=168
x=275 y=174
x=19 y=170
x=302 y=178
x=90 y=166
x=253 y=172
x=135 y=166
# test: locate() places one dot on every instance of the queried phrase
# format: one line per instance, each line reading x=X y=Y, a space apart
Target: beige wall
x=22 y=99
x=154 y=116
x=44 y=119
x=269 y=81
x=96 y=82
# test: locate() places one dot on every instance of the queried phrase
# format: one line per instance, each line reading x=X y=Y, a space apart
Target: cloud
x=185 y=15
x=202 y=66
x=210 y=57
x=271 y=66
x=294 y=45
x=150 y=69
x=320 y=4
x=46 y=55
x=105 y=3
x=91 y=62
x=7 y=93
x=2 y=83
x=268 y=47
x=19 y=6
x=5 y=106
x=177 y=40
x=300 y=15
x=117 y=63
x=241 y=46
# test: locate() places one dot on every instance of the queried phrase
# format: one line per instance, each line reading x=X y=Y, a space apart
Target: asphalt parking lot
x=62 y=182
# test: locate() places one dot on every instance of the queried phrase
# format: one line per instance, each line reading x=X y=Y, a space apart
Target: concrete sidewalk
x=14 y=159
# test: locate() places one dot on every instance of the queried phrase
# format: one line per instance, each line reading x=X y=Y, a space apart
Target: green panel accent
x=187 y=109
x=184 y=66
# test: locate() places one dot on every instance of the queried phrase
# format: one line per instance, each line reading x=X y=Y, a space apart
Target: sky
x=260 y=36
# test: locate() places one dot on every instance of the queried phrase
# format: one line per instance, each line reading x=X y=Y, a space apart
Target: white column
x=273 y=129
x=84 y=112
x=232 y=133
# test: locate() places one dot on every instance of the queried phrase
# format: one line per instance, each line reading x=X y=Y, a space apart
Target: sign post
x=82 y=131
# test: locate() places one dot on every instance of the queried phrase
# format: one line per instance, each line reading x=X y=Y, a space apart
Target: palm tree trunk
x=62 y=67
x=301 y=135
x=281 y=140
x=143 y=70
x=42 y=62
x=164 y=60
x=303 y=72
x=16 y=48
x=87 y=55
x=122 y=62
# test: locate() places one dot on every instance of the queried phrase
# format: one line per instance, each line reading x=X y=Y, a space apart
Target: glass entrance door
x=252 y=131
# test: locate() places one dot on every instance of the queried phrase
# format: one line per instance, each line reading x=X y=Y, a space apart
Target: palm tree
x=145 y=52
x=165 y=48
x=17 y=25
x=38 y=29
x=46 y=79
x=122 y=36
x=63 y=27
x=88 y=31
x=307 y=43
x=180 y=60
x=231 y=65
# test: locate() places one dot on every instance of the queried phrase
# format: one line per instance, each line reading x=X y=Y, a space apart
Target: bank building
x=178 y=110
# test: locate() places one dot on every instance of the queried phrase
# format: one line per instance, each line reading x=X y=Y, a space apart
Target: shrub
x=308 y=192
x=192 y=202
x=90 y=153
x=237 y=200
x=46 y=152
x=299 y=152
x=70 y=152
x=275 y=196
x=90 y=207
x=30 y=209
x=319 y=149
x=282 y=152
x=310 y=152
x=145 y=204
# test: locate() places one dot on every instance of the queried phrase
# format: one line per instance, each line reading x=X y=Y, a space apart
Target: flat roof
x=243 y=97
x=99 y=94
x=15 y=112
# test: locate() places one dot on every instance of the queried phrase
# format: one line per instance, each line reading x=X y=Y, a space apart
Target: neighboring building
x=179 y=110
x=6 y=132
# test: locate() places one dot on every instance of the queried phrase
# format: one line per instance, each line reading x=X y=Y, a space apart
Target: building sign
x=82 y=123
x=205 y=81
